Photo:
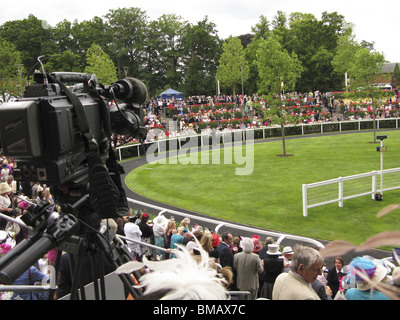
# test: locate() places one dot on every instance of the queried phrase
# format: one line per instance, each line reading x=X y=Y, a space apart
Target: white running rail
x=342 y=193
x=230 y=225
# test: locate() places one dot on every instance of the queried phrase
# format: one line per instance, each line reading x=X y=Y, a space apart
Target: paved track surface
x=137 y=162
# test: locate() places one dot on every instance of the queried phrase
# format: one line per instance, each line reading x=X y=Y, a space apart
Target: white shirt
x=4 y=202
x=132 y=231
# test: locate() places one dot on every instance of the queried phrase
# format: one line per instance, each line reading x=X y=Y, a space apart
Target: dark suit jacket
x=320 y=290
x=333 y=281
x=225 y=255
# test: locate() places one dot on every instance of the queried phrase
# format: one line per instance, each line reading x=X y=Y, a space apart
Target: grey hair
x=247 y=245
x=306 y=256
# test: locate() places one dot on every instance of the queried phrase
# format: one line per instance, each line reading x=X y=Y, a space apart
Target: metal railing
x=303 y=129
x=229 y=225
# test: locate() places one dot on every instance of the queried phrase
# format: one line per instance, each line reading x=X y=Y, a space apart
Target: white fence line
x=219 y=224
x=303 y=132
x=340 y=194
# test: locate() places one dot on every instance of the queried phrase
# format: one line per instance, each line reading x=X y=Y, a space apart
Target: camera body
x=41 y=130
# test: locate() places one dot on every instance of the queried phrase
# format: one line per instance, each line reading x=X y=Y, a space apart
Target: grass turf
x=271 y=197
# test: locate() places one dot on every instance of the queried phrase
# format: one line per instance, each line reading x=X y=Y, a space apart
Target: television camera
x=59 y=134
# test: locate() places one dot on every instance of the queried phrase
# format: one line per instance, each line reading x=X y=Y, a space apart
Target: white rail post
x=340 y=192
x=304 y=200
x=373 y=185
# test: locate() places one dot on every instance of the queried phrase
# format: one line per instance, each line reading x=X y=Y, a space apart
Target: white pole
x=340 y=192
x=305 y=211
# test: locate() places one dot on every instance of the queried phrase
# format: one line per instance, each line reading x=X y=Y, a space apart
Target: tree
x=278 y=72
x=67 y=61
x=9 y=76
x=164 y=52
x=345 y=55
x=261 y=31
x=128 y=30
x=233 y=67
x=201 y=48
x=396 y=77
x=364 y=70
x=314 y=41
x=100 y=64
x=28 y=37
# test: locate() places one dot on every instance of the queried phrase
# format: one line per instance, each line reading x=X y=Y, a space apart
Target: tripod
x=89 y=258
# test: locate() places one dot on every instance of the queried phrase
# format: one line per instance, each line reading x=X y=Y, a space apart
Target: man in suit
x=226 y=255
x=335 y=275
x=295 y=285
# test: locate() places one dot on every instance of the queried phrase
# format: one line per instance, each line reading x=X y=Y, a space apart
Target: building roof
x=389 y=67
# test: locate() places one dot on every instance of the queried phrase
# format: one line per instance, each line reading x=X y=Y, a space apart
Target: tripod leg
x=76 y=269
x=116 y=256
x=93 y=263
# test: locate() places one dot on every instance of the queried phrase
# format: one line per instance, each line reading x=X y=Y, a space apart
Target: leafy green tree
x=66 y=61
x=28 y=37
x=164 y=52
x=233 y=67
x=396 y=76
x=202 y=49
x=260 y=31
x=99 y=63
x=345 y=55
x=128 y=30
x=9 y=76
x=278 y=72
x=366 y=66
x=314 y=42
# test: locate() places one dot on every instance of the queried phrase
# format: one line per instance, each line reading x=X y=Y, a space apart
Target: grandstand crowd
x=201 y=264
x=200 y=113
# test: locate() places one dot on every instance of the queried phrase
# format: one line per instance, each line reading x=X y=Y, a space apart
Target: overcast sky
x=374 y=21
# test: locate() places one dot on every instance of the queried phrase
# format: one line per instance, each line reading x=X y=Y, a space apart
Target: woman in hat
x=5 y=201
x=375 y=272
x=273 y=267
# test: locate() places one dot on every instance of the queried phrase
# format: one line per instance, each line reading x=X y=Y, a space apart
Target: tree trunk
x=374 y=121
x=282 y=127
x=283 y=139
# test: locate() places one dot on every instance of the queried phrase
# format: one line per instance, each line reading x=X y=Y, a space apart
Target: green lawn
x=271 y=197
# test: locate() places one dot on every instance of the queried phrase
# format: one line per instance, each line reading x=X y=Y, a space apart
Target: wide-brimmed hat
x=273 y=249
x=5 y=187
x=376 y=272
x=287 y=250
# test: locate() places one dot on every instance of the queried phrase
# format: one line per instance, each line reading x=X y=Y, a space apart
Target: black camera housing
x=41 y=130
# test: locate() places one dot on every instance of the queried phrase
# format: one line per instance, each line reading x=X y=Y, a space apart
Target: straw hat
x=287 y=250
x=4 y=188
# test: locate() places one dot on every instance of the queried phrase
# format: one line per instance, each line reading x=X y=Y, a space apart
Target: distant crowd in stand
x=195 y=114
x=264 y=269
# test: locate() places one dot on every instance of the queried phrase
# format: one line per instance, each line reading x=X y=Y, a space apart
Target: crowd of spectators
x=14 y=201
x=266 y=270
x=201 y=114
